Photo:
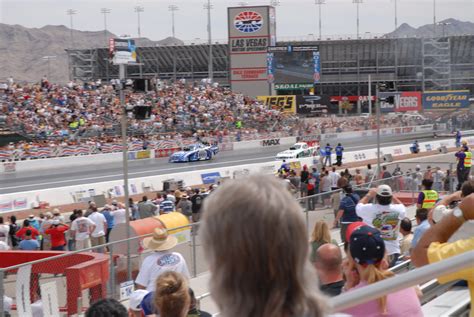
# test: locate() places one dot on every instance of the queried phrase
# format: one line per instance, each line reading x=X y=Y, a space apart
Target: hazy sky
x=294 y=17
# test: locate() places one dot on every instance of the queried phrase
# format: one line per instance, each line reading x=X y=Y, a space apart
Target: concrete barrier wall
x=70 y=194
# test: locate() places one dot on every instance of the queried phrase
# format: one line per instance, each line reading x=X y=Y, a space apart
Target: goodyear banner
x=446 y=100
x=286 y=103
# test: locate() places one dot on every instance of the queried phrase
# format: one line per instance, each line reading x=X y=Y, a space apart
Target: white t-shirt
x=156 y=264
x=386 y=219
x=99 y=220
x=82 y=226
x=7 y=303
x=119 y=216
x=4 y=230
x=334 y=177
x=4 y=246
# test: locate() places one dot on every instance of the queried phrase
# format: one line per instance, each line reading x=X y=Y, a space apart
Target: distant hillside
x=22 y=50
x=448 y=27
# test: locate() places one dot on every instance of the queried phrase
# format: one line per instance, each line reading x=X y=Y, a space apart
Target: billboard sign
x=446 y=100
x=282 y=103
x=293 y=86
x=251 y=31
x=295 y=64
x=123 y=51
x=400 y=101
x=313 y=105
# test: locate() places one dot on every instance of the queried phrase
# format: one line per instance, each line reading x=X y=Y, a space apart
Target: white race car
x=299 y=150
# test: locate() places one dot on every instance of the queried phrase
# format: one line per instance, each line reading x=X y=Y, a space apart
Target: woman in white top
x=119 y=214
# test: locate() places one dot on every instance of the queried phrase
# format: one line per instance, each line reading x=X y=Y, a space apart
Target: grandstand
x=412 y=64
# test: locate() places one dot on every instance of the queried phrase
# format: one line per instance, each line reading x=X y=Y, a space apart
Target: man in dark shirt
x=196 y=201
x=329 y=266
x=347 y=211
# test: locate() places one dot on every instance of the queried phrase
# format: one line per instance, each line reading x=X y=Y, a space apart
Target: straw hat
x=160 y=241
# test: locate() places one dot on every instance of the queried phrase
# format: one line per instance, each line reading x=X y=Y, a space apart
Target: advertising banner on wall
x=313 y=105
x=122 y=51
x=317 y=67
x=251 y=31
x=446 y=100
x=286 y=103
x=400 y=101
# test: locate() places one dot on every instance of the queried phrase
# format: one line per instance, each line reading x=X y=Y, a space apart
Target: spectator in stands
x=90 y=209
x=343 y=181
x=161 y=260
x=358 y=178
x=4 y=246
x=4 y=232
x=109 y=219
x=71 y=242
x=7 y=305
x=325 y=188
x=146 y=208
x=56 y=232
x=428 y=197
x=422 y=225
x=438 y=176
x=407 y=237
x=27 y=226
x=185 y=205
x=81 y=229
x=172 y=296
x=386 y=175
x=107 y=307
x=167 y=205
x=329 y=266
x=418 y=177
x=320 y=236
x=434 y=245
x=367 y=251
x=196 y=200
x=369 y=174
x=327 y=155
x=133 y=209
x=119 y=215
x=47 y=222
x=304 y=177
x=57 y=215
x=28 y=243
x=100 y=229
x=334 y=177
x=12 y=231
x=446 y=206
x=193 y=307
x=240 y=256
x=347 y=210
x=384 y=216
x=428 y=174
x=34 y=222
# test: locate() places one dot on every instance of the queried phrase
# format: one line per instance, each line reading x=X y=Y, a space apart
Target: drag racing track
x=55 y=177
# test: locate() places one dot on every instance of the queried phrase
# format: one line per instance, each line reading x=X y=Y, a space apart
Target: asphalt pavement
x=61 y=177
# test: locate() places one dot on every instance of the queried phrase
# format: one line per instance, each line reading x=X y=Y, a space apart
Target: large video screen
x=293 y=64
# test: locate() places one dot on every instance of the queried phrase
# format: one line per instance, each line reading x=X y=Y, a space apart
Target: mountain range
x=446 y=27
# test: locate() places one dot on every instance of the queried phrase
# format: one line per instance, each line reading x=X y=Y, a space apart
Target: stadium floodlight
x=444 y=25
x=71 y=13
x=434 y=18
x=357 y=2
x=395 y=4
x=319 y=3
x=138 y=10
x=208 y=6
x=173 y=8
x=105 y=11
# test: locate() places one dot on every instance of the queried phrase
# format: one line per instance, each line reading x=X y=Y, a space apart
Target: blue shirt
x=458 y=136
x=418 y=232
x=30 y=245
x=348 y=205
x=109 y=218
x=166 y=206
x=328 y=150
x=339 y=150
x=460 y=156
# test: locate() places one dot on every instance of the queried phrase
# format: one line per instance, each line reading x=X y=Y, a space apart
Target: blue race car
x=194 y=152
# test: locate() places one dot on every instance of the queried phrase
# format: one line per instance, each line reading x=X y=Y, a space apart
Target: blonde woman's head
x=172 y=296
x=321 y=232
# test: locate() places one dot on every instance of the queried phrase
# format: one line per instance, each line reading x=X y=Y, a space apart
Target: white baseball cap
x=384 y=191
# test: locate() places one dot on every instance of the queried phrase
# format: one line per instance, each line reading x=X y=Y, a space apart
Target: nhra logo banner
x=285 y=103
x=446 y=100
x=308 y=105
x=400 y=101
x=210 y=178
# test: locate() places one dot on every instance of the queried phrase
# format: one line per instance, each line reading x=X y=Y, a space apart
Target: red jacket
x=57 y=235
x=22 y=232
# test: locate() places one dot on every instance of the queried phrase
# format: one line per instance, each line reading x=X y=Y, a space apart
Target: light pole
x=173 y=8
x=208 y=6
x=434 y=18
x=138 y=10
x=444 y=24
x=71 y=12
x=49 y=58
x=319 y=3
x=105 y=11
x=357 y=2
x=395 y=2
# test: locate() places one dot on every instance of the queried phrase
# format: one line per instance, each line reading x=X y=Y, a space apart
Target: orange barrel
x=146 y=226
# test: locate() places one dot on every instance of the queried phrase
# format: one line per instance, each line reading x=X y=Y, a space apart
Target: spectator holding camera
x=56 y=231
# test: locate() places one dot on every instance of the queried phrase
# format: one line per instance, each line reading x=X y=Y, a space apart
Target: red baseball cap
x=352 y=227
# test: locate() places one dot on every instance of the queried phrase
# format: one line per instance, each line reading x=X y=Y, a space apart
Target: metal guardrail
x=405 y=280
